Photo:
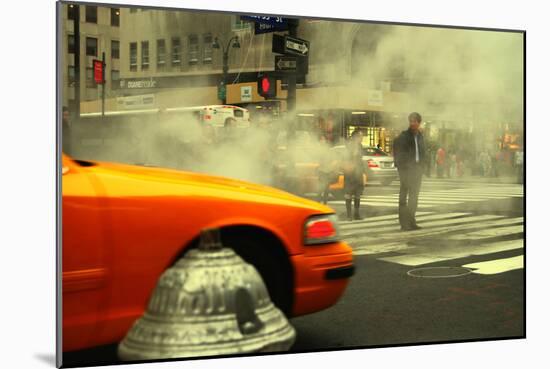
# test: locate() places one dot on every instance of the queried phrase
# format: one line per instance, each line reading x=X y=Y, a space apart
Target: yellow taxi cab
x=123 y=226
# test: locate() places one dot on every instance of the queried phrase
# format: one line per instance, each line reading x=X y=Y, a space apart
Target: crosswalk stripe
x=477 y=193
x=441 y=228
x=489 y=233
x=466 y=194
x=497 y=266
x=433 y=197
x=395 y=220
x=455 y=252
x=420 y=199
x=394 y=203
x=435 y=220
x=371 y=220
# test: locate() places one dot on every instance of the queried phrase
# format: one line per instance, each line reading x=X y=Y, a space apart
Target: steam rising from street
x=470 y=79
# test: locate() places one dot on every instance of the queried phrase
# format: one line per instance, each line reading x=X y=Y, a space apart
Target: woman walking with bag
x=353 y=174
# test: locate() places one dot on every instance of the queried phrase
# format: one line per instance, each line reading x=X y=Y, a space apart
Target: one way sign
x=290 y=45
x=301 y=47
x=285 y=63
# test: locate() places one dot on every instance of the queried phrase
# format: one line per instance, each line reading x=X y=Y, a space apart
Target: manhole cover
x=439 y=272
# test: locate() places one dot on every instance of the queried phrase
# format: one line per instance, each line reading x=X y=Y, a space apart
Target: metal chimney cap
x=210 y=239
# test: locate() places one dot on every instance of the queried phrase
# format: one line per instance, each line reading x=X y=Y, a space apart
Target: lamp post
x=234 y=42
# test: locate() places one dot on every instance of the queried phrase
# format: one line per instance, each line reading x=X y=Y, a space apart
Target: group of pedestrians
x=449 y=163
x=410 y=159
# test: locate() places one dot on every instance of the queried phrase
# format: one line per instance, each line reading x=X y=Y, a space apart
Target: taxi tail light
x=321 y=229
x=372 y=164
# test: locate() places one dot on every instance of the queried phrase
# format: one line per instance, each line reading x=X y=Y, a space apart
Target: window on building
x=207 y=48
x=193 y=49
x=91 y=46
x=72 y=75
x=90 y=83
x=133 y=56
x=115 y=17
x=161 y=53
x=115 y=49
x=115 y=76
x=91 y=14
x=70 y=42
x=71 y=11
x=144 y=54
x=176 y=51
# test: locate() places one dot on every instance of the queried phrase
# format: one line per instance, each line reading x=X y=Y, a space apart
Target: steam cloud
x=473 y=78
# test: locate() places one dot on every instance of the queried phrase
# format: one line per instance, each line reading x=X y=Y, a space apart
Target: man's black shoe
x=406 y=229
x=415 y=227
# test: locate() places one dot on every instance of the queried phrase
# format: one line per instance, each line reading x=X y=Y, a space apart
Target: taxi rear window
x=238 y=113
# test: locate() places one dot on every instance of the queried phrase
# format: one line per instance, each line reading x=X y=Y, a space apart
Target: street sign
x=265 y=20
x=297 y=46
x=260 y=28
x=246 y=93
x=285 y=63
x=289 y=45
x=98 y=72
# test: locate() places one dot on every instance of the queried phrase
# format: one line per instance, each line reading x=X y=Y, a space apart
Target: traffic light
x=267 y=87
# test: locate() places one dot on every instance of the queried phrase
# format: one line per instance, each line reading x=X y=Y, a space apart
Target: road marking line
x=442 y=228
x=395 y=219
x=447 y=224
x=386 y=217
x=420 y=199
x=455 y=252
x=497 y=266
x=489 y=233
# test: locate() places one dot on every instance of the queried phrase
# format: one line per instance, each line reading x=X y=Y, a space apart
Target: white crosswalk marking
x=497 y=266
x=453 y=253
x=430 y=197
x=489 y=233
x=444 y=236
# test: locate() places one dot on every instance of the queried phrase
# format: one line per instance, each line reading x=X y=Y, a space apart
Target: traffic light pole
x=291 y=79
x=76 y=23
x=103 y=85
x=225 y=72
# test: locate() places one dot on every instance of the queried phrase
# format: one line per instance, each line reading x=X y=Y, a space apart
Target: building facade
x=99 y=32
x=358 y=74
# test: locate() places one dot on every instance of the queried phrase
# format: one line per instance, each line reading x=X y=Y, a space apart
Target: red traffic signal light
x=267 y=87
x=99 y=72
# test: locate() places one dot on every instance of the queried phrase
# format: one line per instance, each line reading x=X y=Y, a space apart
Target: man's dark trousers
x=411 y=178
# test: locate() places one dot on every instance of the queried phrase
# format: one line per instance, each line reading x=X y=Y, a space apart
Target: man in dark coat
x=410 y=159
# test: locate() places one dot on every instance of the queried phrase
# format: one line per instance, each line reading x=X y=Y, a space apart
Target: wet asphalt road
x=384 y=305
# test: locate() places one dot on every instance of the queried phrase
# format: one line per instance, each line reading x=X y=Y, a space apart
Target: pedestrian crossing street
x=435 y=196
x=443 y=237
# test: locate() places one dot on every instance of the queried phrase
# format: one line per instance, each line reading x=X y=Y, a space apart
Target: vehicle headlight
x=321 y=229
